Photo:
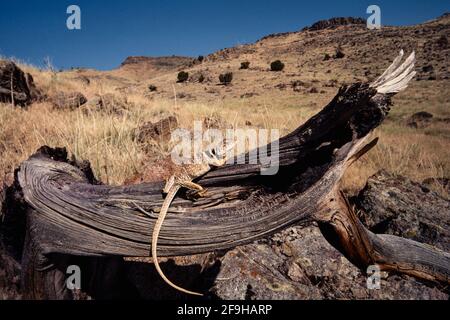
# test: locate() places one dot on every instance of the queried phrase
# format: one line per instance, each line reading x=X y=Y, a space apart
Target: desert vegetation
x=277 y=65
x=183 y=76
x=245 y=65
x=226 y=78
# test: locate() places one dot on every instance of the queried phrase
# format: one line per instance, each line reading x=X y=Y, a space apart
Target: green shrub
x=226 y=78
x=152 y=88
x=339 y=53
x=326 y=57
x=277 y=65
x=245 y=65
x=183 y=76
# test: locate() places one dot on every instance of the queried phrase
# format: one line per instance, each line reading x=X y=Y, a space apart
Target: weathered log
x=68 y=215
x=75 y=217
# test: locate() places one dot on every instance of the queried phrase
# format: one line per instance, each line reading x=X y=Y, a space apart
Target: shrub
x=245 y=65
x=226 y=78
x=201 y=78
x=152 y=88
x=200 y=59
x=183 y=76
x=326 y=57
x=277 y=65
x=339 y=53
x=442 y=42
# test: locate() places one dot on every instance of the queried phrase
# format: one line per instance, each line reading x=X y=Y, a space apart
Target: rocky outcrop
x=9 y=276
x=419 y=120
x=107 y=103
x=159 y=131
x=333 y=23
x=16 y=86
x=396 y=205
x=172 y=62
x=71 y=101
x=300 y=264
x=424 y=119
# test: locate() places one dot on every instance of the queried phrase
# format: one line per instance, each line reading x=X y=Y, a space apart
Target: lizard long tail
x=162 y=215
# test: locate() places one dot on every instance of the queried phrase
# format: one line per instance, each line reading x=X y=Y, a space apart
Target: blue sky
x=112 y=30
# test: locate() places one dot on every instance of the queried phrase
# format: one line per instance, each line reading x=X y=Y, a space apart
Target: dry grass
x=107 y=139
x=415 y=155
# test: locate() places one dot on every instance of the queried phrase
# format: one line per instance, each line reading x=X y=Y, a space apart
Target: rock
x=248 y=95
x=160 y=130
x=428 y=68
x=84 y=80
x=339 y=53
x=333 y=23
x=298 y=263
x=72 y=100
x=396 y=205
x=183 y=95
x=442 y=42
x=24 y=90
x=444 y=183
x=297 y=85
x=419 y=120
x=108 y=103
x=9 y=276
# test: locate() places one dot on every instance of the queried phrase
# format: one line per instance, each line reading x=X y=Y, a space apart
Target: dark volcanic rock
x=444 y=183
x=333 y=23
x=299 y=263
x=158 y=63
x=396 y=205
x=72 y=100
x=9 y=276
x=24 y=90
x=420 y=119
x=160 y=130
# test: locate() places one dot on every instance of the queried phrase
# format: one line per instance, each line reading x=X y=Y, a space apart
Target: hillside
x=262 y=98
x=366 y=54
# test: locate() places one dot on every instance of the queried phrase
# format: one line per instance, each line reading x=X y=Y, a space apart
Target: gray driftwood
x=68 y=215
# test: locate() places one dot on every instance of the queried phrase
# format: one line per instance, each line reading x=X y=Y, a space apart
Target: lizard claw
x=196 y=194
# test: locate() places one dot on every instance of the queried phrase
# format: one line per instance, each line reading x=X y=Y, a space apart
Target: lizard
x=183 y=178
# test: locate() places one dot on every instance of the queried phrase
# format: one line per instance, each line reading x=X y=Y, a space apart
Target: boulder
x=24 y=92
x=396 y=205
x=72 y=100
x=299 y=263
x=160 y=130
x=443 y=183
x=9 y=276
x=419 y=120
x=108 y=103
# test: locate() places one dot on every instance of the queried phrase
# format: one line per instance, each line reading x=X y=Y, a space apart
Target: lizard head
x=218 y=152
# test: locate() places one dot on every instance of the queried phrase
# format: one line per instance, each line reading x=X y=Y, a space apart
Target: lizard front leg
x=190 y=185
